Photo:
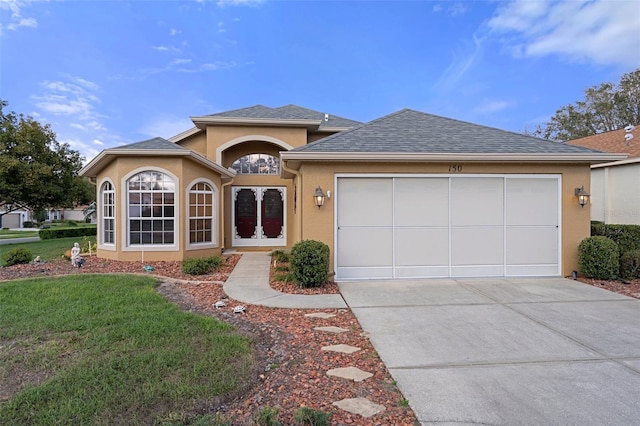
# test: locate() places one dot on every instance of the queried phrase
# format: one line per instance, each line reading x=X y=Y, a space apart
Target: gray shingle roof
x=288 y=112
x=155 y=143
x=409 y=131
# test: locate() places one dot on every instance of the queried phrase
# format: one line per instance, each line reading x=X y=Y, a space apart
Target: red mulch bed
x=290 y=365
x=628 y=288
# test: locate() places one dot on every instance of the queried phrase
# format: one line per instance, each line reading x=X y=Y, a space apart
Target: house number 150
x=455 y=168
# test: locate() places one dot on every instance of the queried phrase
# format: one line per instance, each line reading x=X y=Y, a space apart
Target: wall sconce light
x=583 y=196
x=318 y=197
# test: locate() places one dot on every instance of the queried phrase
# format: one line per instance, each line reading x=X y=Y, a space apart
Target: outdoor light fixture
x=583 y=196
x=318 y=197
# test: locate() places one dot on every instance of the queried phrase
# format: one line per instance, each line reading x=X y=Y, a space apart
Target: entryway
x=259 y=216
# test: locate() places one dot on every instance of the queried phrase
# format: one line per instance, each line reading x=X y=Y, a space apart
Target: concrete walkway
x=249 y=283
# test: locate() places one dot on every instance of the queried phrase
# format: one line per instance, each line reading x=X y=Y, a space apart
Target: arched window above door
x=257 y=164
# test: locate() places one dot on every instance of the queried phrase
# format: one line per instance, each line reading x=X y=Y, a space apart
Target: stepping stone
x=331 y=329
x=361 y=406
x=345 y=349
x=349 y=373
x=322 y=315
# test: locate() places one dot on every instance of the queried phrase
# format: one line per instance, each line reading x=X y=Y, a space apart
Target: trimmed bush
x=202 y=265
x=27 y=224
x=310 y=263
x=630 y=265
x=17 y=256
x=598 y=258
x=626 y=236
x=52 y=233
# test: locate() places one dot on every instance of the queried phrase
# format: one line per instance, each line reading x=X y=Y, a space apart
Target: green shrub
x=280 y=256
x=284 y=277
x=309 y=416
x=27 y=224
x=598 y=258
x=51 y=233
x=267 y=416
x=17 y=256
x=626 y=236
x=630 y=265
x=310 y=263
x=202 y=265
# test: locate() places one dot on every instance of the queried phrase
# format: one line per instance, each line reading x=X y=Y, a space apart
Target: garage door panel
x=364 y=247
x=523 y=193
x=477 y=201
x=422 y=247
x=365 y=202
x=421 y=201
x=532 y=245
x=477 y=246
x=457 y=226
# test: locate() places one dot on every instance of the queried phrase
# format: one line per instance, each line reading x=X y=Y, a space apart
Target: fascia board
x=184 y=135
x=633 y=160
x=592 y=158
x=202 y=121
x=106 y=156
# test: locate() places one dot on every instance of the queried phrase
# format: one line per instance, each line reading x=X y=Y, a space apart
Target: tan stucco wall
x=218 y=136
x=186 y=172
x=197 y=143
x=318 y=224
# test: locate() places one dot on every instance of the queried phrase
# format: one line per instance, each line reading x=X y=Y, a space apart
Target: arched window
x=108 y=197
x=257 y=164
x=151 y=208
x=201 y=212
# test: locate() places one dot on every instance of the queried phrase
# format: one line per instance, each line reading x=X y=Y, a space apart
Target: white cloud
x=174 y=32
x=16 y=19
x=493 y=106
x=462 y=62
x=166 y=126
x=601 y=32
x=223 y=3
x=437 y=8
x=456 y=9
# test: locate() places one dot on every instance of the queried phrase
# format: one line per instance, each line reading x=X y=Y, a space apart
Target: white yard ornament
x=219 y=304
x=239 y=309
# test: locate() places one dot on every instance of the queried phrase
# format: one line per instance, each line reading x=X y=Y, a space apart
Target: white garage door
x=447 y=226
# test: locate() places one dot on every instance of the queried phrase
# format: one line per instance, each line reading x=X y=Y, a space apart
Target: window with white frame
x=151 y=208
x=108 y=196
x=201 y=208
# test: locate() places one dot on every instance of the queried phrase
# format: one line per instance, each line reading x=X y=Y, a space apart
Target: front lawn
x=109 y=350
x=8 y=233
x=49 y=249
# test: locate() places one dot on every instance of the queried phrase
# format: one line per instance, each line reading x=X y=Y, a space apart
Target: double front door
x=259 y=216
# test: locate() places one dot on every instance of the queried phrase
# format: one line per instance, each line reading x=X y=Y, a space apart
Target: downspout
x=221 y=226
x=297 y=188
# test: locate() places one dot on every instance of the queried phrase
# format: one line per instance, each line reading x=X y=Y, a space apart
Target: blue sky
x=107 y=73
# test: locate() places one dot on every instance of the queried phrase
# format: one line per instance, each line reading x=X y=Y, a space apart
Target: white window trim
x=99 y=207
x=124 y=199
x=215 y=211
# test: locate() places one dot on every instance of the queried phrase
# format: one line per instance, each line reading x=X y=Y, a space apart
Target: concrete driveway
x=506 y=351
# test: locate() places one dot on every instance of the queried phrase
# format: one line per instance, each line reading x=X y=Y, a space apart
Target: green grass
x=110 y=350
x=48 y=249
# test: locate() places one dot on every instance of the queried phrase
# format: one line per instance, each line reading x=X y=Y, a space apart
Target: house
x=406 y=195
x=615 y=186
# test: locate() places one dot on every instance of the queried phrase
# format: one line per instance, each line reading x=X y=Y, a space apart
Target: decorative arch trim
x=249 y=138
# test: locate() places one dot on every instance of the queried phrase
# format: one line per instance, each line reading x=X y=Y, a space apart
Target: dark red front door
x=259 y=216
x=246 y=213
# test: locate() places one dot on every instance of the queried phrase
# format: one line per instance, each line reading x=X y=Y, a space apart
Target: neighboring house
x=615 y=186
x=407 y=195
x=14 y=219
